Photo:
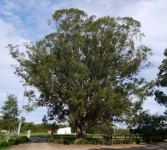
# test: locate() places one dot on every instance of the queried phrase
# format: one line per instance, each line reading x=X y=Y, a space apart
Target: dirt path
x=47 y=146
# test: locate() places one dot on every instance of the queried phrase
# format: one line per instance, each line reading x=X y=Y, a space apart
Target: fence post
x=28 y=133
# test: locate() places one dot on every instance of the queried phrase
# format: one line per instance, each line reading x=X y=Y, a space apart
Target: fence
x=92 y=138
x=126 y=139
x=109 y=139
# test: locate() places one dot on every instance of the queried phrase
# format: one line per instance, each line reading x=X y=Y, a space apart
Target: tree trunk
x=81 y=132
x=19 y=128
x=8 y=135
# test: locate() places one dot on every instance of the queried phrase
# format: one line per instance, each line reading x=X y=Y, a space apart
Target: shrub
x=91 y=141
x=4 y=144
x=59 y=141
x=126 y=141
x=2 y=137
x=51 y=140
x=138 y=141
x=115 y=141
x=101 y=141
x=22 y=139
x=147 y=140
x=80 y=141
x=67 y=142
x=12 y=142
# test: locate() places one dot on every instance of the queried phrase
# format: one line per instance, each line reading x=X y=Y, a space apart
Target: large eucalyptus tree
x=86 y=71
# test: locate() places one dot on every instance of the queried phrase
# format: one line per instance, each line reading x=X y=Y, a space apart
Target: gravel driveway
x=48 y=146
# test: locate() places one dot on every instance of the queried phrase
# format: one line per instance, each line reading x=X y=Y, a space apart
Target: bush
x=2 y=137
x=80 y=141
x=67 y=142
x=22 y=139
x=115 y=141
x=91 y=141
x=153 y=139
x=4 y=144
x=126 y=141
x=147 y=140
x=101 y=141
x=98 y=139
x=18 y=140
x=71 y=139
x=138 y=141
x=51 y=140
x=62 y=141
x=12 y=142
x=57 y=141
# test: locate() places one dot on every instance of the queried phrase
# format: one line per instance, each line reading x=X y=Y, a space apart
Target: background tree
x=106 y=129
x=160 y=94
x=45 y=120
x=10 y=114
x=86 y=71
x=1 y=122
x=151 y=127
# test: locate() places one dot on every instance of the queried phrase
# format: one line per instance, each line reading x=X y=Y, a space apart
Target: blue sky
x=26 y=21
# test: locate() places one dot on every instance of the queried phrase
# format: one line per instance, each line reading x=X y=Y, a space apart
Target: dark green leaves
x=86 y=72
x=160 y=95
x=10 y=113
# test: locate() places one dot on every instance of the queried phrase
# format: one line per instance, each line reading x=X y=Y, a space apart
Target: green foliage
x=152 y=128
x=71 y=140
x=96 y=139
x=1 y=122
x=160 y=95
x=89 y=139
x=124 y=139
x=37 y=128
x=120 y=131
x=102 y=129
x=22 y=139
x=4 y=144
x=108 y=129
x=138 y=141
x=18 y=140
x=81 y=141
x=10 y=113
x=86 y=70
x=2 y=137
x=13 y=142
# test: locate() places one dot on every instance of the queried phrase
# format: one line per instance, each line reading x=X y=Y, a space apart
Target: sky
x=27 y=21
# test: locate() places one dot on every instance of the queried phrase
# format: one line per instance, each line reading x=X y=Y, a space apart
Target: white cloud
x=9 y=83
x=153 y=106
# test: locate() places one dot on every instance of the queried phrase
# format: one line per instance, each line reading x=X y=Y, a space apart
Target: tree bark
x=19 y=128
x=81 y=132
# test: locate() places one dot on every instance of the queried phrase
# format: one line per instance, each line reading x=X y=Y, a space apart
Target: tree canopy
x=161 y=82
x=86 y=71
x=151 y=127
x=10 y=114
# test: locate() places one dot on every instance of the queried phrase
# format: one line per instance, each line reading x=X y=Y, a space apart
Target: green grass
x=5 y=148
